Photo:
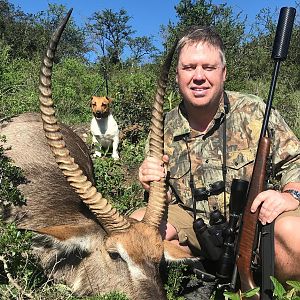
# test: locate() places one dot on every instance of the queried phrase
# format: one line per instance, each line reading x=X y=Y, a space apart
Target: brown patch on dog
x=100 y=106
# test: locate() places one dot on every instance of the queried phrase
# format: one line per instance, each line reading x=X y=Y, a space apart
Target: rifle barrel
x=257 y=183
x=279 y=53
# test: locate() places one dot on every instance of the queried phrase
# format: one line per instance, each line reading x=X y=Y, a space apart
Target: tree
x=73 y=43
x=205 y=13
x=260 y=45
x=140 y=47
x=33 y=32
x=110 y=31
x=14 y=21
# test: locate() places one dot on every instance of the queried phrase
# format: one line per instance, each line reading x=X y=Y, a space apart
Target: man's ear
x=225 y=73
x=176 y=75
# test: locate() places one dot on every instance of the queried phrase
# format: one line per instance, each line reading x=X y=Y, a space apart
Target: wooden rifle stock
x=247 y=236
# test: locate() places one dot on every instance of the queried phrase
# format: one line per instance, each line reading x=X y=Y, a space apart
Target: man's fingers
x=257 y=202
x=165 y=159
x=152 y=169
x=272 y=205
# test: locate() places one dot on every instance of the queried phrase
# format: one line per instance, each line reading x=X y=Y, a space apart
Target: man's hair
x=208 y=35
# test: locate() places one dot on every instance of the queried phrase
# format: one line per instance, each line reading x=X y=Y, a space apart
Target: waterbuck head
x=81 y=239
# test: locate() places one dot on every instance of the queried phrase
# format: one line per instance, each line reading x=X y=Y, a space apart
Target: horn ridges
x=108 y=216
x=157 y=194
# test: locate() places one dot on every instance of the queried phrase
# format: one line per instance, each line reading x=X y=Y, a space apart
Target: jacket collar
x=183 y=127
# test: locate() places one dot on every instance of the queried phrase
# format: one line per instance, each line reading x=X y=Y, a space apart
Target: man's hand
x=152 y=169
x=273 y=203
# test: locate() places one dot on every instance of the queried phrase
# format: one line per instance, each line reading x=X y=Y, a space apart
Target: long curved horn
x=157 y=195
x=109 y=218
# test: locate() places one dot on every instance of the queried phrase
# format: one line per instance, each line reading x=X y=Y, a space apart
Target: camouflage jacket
x=200 y=155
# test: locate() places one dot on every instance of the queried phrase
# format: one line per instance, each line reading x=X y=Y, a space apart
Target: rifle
x=249 y=222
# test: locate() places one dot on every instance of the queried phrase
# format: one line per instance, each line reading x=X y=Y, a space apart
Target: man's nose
x=199 y=74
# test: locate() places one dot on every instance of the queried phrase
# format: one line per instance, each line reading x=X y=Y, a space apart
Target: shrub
x=117 y=180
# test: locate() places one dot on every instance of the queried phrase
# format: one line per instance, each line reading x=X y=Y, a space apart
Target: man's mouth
x=199 y=91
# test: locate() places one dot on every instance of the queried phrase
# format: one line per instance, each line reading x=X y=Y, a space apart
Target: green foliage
x=140 y=47
x=240 y=295
x=281 y=294
x=176 y=276
x=133 y=91
x=33 y=31
x=117 y=180
x=18 y=83
x=110 y=31
x=16 y=261
x=73 y=43
x=15 y=252
x=10 y=178
x=74 y=82
x=110 y=296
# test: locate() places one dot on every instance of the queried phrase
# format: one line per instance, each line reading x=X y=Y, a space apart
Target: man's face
x=200 y=75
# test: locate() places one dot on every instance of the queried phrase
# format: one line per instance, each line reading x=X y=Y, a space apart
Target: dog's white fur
x=104 y=128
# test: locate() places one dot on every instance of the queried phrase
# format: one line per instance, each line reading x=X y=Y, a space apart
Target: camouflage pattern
x=204 y=161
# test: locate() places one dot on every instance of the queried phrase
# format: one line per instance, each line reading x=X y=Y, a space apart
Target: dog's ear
x=109 y=99
x=91 y=101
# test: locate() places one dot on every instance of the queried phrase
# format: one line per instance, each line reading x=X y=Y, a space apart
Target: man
x=210 y=139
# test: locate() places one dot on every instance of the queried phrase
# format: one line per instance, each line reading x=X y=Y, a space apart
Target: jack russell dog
x=104 y=128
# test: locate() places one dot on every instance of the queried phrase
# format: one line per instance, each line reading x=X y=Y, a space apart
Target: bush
x=74 y=82
x=17 y=267
x=133 y=92
x=117 y=180
x=18 y=85
x=279 y=292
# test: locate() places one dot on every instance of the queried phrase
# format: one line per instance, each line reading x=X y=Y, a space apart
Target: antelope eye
x=114 y=255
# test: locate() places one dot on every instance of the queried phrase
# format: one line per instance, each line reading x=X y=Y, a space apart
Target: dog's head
x=100 y=106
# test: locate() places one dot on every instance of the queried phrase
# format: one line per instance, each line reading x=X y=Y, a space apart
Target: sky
x=147 y=16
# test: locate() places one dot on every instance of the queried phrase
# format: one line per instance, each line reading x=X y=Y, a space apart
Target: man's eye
x=209 y=68
x=188 y=68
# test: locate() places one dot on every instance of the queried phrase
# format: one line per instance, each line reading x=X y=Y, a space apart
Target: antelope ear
x=173 y=253
x=65 y=232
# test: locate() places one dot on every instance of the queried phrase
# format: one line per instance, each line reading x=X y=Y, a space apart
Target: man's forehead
x=199 y=46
